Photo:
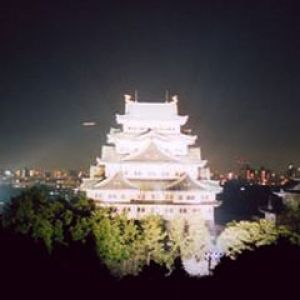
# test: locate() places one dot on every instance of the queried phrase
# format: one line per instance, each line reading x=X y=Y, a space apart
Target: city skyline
x=233 y=66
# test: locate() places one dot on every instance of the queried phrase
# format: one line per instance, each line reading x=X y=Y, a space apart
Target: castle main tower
x=151 y=166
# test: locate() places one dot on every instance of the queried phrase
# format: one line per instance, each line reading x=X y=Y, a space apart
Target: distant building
x=291 y=194
x=23 y=173
x=291 y=171
x=269 y=211
x=151 y=166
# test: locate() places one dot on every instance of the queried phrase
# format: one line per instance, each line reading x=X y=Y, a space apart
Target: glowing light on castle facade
x=151 y=166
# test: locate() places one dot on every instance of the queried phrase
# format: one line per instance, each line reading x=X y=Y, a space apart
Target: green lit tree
x=189 y=238
x=176 y=235
x=20 y=214
x=31 y=213
x=127 y=245
x=50 y=221
x=290 y=218
x=132 y=238
x=154 y=237
x=245 y=235
x=118 y=242
x=78 y=220
x=196 y=239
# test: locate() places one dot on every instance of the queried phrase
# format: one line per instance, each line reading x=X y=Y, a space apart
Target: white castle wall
x=140 y=126
x=128 y=195
x=168 y=212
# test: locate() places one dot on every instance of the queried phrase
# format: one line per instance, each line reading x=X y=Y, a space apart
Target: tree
x=189 y=237
x=196 y=240
x=176 y=235
x=32 y=213
x=154 y=236
x=118 y=242
x=80 y=218
x=245 y=235
x=290 y=218
x=127 y=245
x=20 y=212
x=50 y=221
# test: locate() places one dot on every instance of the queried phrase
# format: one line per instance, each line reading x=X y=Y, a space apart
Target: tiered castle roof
x=150 y=153
x=184 y=183
x=147 y=111
x=116 y=182
x=151 y=138
x=115 y=135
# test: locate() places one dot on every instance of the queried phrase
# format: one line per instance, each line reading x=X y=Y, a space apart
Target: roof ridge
x=144 y=149
x=182 y=178
x=116 y=176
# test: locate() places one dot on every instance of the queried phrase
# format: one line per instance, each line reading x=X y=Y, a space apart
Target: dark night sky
x=234 y=65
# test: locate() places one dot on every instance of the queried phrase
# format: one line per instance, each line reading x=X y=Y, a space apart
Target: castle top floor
x=158 y=116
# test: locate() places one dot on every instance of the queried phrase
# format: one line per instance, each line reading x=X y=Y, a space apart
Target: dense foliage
x=124 y=245
x=50 y=221
x=60 y=246
x=290 y=218
x=246 y=235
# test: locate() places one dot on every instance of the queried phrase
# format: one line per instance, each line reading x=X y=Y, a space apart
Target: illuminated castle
x=151 y=166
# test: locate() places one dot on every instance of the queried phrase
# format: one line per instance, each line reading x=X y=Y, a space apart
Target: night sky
x=234 y=65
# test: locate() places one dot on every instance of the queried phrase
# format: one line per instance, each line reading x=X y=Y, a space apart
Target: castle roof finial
x=167 y=96
x=127 y=98
x=175 y=98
